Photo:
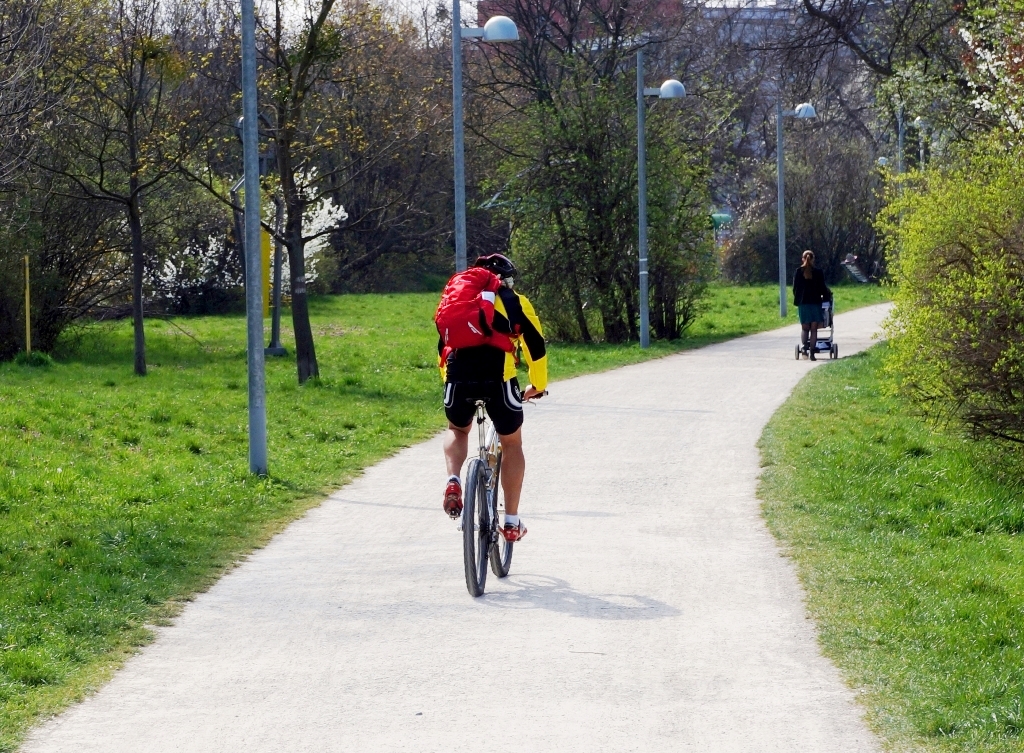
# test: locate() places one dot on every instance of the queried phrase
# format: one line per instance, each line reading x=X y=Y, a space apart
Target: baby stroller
x=825 y=342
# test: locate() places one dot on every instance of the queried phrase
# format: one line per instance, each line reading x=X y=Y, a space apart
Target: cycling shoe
x=453 y=499
x=514 y=533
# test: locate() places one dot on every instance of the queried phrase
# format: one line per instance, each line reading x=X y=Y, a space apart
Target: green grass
x=120 y=497
x=908 y=540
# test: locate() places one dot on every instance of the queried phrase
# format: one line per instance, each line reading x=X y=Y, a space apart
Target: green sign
x=721 y=218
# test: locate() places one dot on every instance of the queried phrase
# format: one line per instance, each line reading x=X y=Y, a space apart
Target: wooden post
x=28 y=312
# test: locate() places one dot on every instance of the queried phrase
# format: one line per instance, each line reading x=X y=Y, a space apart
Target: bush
x=75 y=261
x=35 y=358
x=957 y=331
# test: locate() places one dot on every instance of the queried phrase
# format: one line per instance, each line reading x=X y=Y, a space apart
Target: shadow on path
x=556 y=595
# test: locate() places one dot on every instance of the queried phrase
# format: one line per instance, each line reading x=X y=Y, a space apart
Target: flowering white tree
x=995 y=61
x=321 y=217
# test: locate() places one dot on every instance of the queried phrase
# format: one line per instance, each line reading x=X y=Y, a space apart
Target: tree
x=133 y=118
x=392 y=163
x=887 y=37
x=26 y=31
x=569 y=190
x=330 y=80
x=992 y=36
x=568 y=182
x=833 y=192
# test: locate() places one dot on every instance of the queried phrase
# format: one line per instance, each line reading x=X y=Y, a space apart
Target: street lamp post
x=497 y=29
x=253 y=267
x=805 y=110
x=921 y=125
x=901 y=137
x=671 y=89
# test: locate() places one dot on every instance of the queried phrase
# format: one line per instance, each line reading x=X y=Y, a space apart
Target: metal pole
x=641 y=172
x=780 y=162
x=275 y=348
x=901 y=135
x=28 y=311
x=253 y=267
x=460 y=162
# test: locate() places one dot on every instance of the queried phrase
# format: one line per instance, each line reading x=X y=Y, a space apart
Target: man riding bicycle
x=487 y=372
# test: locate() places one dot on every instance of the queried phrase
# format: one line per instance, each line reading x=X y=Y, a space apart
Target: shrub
x=35 y=358
x=957 y=331
x=75 y=261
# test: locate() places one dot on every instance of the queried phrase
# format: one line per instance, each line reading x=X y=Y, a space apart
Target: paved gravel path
x=648 y=610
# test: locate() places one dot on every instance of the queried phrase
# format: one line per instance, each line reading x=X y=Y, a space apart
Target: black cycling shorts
x=504 y=403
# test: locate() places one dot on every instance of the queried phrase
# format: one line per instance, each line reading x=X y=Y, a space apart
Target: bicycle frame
x=490 y=443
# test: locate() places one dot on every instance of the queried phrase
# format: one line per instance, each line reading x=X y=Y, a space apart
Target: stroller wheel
x=833 y=351
x=798 y=352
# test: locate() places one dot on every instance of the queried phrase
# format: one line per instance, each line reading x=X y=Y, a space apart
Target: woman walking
x=809 y=290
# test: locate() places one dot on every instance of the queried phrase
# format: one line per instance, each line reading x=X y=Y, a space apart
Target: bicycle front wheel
x=476 y=527
x=501 y=550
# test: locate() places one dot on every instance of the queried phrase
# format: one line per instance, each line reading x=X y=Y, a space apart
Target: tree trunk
x=574 y=281
x=581 y=318
x=615 y=329
x=294 y=206
x=305 y=351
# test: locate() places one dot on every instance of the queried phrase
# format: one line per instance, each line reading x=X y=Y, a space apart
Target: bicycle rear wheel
x=501 y=550
x=476 y=528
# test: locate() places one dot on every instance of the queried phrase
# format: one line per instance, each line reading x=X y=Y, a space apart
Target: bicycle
x=481 y=536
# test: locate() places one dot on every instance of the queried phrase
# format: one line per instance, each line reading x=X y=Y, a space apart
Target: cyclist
x=488 y=372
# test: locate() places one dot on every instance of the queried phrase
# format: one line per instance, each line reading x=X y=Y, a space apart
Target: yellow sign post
x=28 y=312
x=265 y=258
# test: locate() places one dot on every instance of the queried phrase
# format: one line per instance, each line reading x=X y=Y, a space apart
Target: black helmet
x=499 y=264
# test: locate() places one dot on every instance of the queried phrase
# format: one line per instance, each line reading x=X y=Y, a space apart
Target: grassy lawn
x=908 y=541
x=121 y=496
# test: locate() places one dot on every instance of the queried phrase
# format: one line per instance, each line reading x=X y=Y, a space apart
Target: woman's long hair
x=807 y=264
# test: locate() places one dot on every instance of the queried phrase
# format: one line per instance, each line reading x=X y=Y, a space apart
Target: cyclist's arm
x=534 y=349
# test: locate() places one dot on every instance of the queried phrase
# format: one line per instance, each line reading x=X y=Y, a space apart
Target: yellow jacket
x=514 y=316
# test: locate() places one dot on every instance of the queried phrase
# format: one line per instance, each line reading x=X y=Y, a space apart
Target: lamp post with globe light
x=671 y=89
x=497 y=29
x=802 y=111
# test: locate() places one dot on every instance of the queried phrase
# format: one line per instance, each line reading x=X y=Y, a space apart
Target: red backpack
x=465 y=316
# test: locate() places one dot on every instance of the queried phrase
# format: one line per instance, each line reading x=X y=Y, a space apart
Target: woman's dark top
x=812 y=291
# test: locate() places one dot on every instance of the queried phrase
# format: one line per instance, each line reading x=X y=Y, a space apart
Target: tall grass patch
x=908 y=540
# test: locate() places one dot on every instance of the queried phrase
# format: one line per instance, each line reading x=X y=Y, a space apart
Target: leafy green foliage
x=908 y=542
x=958 y=327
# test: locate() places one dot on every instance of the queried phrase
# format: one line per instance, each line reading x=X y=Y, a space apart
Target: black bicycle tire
x=475 y=537
x=501 y=550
